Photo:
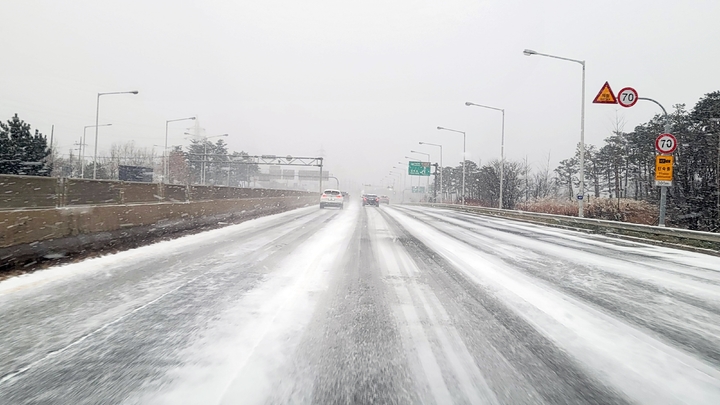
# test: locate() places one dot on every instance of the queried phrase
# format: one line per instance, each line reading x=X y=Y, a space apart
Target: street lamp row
x=166 y=166
x=529 y=52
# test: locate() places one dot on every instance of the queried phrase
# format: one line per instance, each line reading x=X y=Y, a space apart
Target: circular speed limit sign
x=666 y=143
x=627 y=97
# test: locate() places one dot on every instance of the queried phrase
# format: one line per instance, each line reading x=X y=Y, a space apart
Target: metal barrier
x=706 y=241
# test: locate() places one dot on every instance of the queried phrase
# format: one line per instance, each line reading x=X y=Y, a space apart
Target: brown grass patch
x=633 y=211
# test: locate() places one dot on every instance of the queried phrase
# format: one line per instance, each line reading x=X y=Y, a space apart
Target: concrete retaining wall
x=30 y=233
x=49 y=192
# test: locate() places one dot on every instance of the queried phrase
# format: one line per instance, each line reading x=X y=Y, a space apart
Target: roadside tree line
x=24 y=152
x=185 y=166
x=623 y=168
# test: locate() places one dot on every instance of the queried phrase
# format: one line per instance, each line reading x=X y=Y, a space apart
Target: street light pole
x=82 y=151
x=97 y=117
x=529 y=52
x=502 y=146
x=166 y=166
x=441 y=166
x=463 y=161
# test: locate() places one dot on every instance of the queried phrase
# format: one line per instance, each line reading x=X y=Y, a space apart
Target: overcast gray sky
x=362 y=81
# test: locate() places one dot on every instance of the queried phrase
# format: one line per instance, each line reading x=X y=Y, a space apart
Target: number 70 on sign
x=627 y=97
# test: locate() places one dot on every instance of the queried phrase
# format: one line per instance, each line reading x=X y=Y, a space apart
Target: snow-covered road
x=368 y=305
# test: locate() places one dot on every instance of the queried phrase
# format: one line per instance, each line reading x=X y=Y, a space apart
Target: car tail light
x=339 y=196
x=324 y=195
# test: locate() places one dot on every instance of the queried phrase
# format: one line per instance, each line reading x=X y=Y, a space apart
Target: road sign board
x=664 y=168
x=418 y=189
x=605 y=96
x=419 y=168
x=579 y=196
x=666 y=143
x=627 y=97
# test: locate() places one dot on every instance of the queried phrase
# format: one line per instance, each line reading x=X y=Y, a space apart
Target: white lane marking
x=646 y=369
x=256 y=390
x=414 y=331
x=640 y=270
x=422 y=348
x=255 y=336
x=54 y=353
x=701 y=262
x=470 y=379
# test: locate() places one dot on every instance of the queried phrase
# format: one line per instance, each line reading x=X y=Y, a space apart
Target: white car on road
x=332 y=198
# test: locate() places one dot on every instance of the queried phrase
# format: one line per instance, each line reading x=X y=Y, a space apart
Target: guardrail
x=707 y=242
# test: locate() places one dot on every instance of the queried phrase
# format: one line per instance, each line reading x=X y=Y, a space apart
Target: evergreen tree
x=22 y=152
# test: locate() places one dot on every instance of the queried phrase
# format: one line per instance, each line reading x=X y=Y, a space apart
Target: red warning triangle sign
x=605 y=96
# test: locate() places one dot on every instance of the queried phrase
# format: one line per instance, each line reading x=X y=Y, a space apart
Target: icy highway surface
x=368 y=305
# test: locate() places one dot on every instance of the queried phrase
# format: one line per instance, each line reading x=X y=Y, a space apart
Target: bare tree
x=127 y=154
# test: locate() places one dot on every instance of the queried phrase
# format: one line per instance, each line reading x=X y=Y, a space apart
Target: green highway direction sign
x=419 y=168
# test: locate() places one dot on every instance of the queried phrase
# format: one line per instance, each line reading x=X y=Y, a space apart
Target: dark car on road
x=371 y=199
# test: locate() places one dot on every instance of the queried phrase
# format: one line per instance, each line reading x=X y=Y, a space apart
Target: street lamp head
x=529 y=52
x=440 y=128
x=134 y=92
x=468 y=103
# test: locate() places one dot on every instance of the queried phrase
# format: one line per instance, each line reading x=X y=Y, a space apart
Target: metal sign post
x=663 y=188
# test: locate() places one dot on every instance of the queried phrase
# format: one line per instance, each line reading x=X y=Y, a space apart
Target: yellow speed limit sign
x=663 y=170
